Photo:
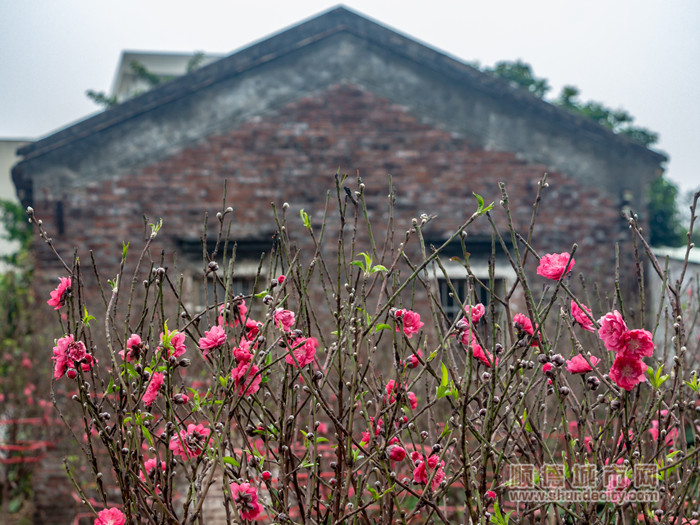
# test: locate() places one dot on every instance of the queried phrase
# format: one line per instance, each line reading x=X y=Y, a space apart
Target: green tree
x=17 y=326
x=13 y=219
x=665 y=227
x=521 y=74
x=664 y=218
x=618 y=121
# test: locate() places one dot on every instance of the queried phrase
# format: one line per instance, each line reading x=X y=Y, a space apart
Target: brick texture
x=293 y=155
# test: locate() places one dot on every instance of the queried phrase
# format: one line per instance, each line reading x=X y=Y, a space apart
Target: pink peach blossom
x=284 y=319
x=68 y=354
x=612 y=331
x=245 y=497
x=413 y=361
x=525 y=327
x=412 y=400
x=377 y=429
x=302 y=352
x=180 y=398
x=554 y=265
x=466 y=336
x=246 y=378
x=111 y=516
x=476 y=312
x=410 y=396
x=408 y=321
x=242 y=353
x=174 y=343
x=578 y=364
x=627 y=371
x=484 y=356
x=580 y=316
x=153 y=388
x=422 y=472
x=251 y=329
x=190 y=442
x=638 y=343
x=150 y=471
x=134 y=346
x=236 y=313
x=58 y=296
x=212 y=339
x=396 y=453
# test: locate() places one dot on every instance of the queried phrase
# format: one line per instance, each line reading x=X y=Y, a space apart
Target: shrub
x=354 y=397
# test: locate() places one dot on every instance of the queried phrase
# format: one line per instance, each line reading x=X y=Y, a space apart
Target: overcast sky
x=639 y=55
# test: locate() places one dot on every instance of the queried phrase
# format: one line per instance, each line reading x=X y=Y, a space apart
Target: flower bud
x=558 y=360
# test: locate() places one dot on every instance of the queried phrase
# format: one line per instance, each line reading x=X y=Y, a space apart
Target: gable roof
x=333 y=22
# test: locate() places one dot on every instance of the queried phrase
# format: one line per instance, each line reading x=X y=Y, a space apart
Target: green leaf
x=445 y=430
x=230 y=461
x=131 y=371
x=445 y=375
x=305 y=219
x=110 y=387
x=261 y=294
x=360 y=395
x=378 y=268
x=527 y=427
x=125 y=249
x=155 y=228
x=375 y=494
x=255 y=452
x=223 y=380
x=497 y=518
x=147 y=434
x=655 y=378
x=381 y=326
x=368 y=260
x=480 y=201
x=87 y=317
x=321 y=440
x=567 y=472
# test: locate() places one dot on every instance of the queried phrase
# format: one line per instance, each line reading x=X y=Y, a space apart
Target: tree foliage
x=521 y=74
x=665 y=227
x=16 y=228
x=664 y=218
x=616 y=120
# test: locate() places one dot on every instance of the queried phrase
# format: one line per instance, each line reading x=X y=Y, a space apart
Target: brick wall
x=293 y=155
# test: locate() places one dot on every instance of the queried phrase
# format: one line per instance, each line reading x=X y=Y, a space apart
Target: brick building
x=279 y=118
